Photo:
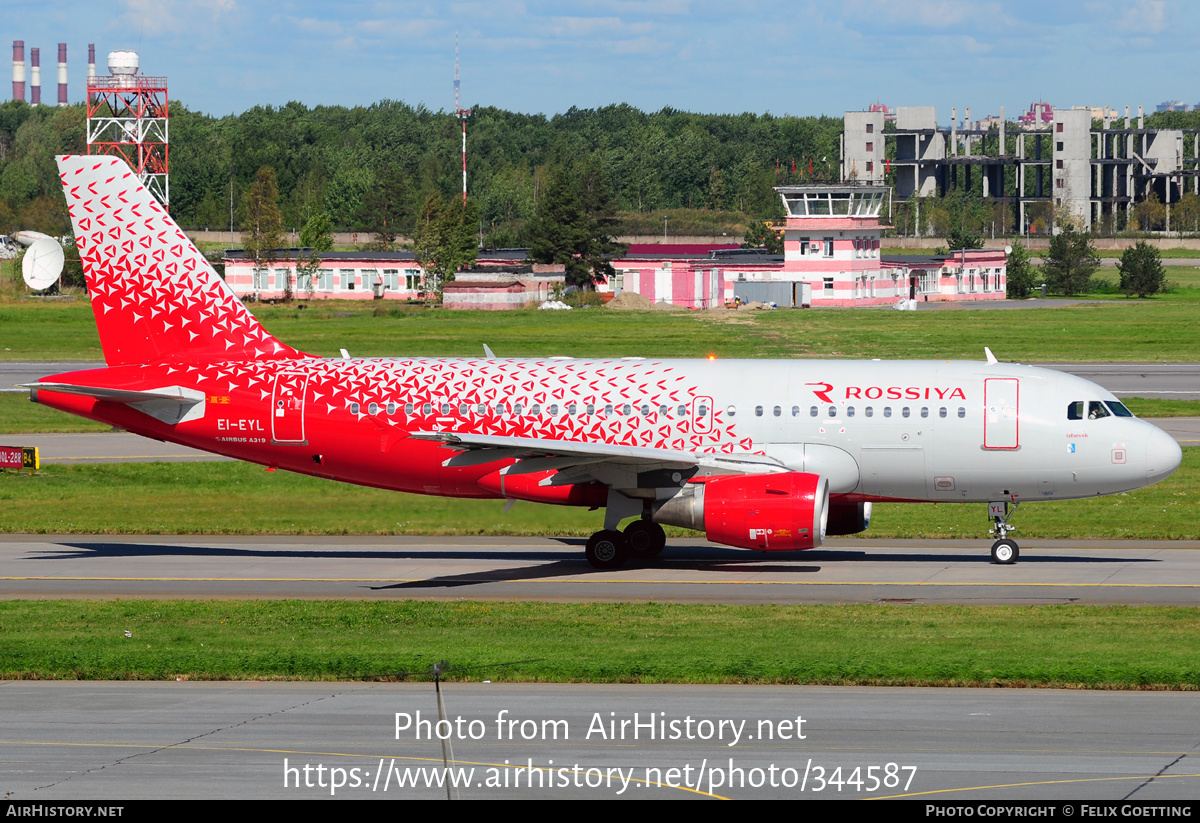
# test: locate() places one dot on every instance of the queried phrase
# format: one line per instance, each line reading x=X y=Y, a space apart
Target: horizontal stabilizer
x=171 y=404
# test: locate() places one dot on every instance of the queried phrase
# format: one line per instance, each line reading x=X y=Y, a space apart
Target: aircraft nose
x=1163 y=455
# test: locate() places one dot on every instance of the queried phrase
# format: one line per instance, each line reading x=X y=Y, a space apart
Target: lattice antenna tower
x=127 y=117
x=463 y=114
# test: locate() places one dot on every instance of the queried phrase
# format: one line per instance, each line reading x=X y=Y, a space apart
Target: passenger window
x=426 y=408
x=849 y=411
x=812 y=412
x=833 y=411
x=682 y=411
x=499 y=408
x=662 y=411
x=608 y=408
x=391 y=408
x=535 y=409
x=731 y=411
x=778 y=411
x=962 y=412
x=373 y=408
x=887 y=411
x=924 y=411
x=354 y=408
x=942 y=411
x=408 y=408
x=703 y=410
x=481 y=409
x=1075 y=410
x=1096 y=410
x=517 y=407
x=591 y=409
x=445 y=408
x=869 y=412
x=795 y=411
x=645 y=410
x=625 y=409
x=904 y=412
x=758 y=411
x=463 y=409
x=571 y=407
x=553 y=410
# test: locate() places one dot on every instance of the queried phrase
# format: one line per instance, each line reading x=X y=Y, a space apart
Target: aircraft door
x=287 y=408
x=1001 y=413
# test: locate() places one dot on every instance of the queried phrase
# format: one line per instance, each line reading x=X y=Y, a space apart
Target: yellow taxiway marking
x=618 y=580
x=1034 y=783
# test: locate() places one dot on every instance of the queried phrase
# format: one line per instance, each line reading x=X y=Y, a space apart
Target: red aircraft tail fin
x=154 y=295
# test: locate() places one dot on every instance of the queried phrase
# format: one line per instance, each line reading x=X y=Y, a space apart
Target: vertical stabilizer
x=154 y=295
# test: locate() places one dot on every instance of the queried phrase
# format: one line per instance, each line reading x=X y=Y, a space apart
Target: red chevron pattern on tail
x=155 y=297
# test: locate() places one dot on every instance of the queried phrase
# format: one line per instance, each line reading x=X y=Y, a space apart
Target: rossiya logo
x=890 y=392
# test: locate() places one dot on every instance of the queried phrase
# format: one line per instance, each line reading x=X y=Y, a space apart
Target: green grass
x=237 y=498
x=1054 y=646
x=1122 y=330
x=1160 y=407
x=17 y=414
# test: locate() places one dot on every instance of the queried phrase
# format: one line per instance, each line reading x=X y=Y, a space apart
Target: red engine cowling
x=768 y=512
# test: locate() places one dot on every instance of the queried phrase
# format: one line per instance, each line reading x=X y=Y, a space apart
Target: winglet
x=487 y=350
x=991 y=358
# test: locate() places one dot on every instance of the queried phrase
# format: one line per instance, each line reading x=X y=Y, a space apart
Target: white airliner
x=762 y=454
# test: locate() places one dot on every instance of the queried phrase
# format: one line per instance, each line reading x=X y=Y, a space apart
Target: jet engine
x=847 y=518
x=768 y=512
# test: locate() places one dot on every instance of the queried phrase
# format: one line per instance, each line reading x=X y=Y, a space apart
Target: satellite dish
x=43 y=264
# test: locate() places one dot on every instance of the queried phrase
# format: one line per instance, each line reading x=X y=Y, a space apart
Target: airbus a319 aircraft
x=764 y=454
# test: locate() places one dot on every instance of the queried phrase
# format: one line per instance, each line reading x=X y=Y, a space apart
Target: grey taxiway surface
x=549 y=569
x=123 y=741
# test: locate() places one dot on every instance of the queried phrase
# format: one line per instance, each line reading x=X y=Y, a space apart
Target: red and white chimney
x=91 y=62
x=62 y=74
x=35 y=78
x=19 y=70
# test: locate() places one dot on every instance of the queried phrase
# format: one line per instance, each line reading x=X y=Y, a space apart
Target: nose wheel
x=1005 y=550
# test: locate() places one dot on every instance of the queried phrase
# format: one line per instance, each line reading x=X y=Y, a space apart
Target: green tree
x=574 y=223
x=1021 y=273
x=315 y=237
x=1142 y=271
x=761 y=236
x=1070 y=262
x=386 y=205
x=263 y=233
x=445 y=238
x=965 y=220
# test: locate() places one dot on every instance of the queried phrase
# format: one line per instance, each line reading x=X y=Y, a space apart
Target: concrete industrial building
x=1090 y=171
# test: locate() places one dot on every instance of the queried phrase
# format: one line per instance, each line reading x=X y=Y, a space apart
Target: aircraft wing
x=575 y=461
x=171 y=404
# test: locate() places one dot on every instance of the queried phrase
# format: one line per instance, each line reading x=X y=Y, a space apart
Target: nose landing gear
x=1004 y=551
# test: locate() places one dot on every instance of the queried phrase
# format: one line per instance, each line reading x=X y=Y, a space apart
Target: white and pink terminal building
x=832 y=257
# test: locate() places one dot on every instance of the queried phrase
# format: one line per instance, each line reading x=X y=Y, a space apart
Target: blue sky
x=799 y=58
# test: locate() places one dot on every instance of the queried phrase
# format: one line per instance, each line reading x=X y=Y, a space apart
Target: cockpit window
x=1118 y=408
x=1075 y=410
x=1096 y=410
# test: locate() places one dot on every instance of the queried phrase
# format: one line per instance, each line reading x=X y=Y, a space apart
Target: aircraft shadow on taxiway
x=698 y=557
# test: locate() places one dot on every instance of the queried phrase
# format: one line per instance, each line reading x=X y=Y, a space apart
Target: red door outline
x=287 y=408
x=1002 y=413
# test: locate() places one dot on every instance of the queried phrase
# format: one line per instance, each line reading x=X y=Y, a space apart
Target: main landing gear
x=611 y=549
x=1005 y=551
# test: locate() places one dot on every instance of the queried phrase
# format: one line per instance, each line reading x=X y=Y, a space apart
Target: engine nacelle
x=768 y=512
x=847 y=518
